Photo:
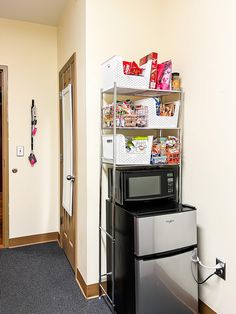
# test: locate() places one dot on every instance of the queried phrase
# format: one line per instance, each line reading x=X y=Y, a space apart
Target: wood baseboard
x=33 y=239
x=205 y=309
x=89 y=291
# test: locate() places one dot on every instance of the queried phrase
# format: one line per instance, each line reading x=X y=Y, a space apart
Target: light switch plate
x=20 y=151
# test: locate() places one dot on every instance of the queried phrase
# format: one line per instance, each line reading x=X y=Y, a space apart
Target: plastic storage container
x=123 y=157
x=112 y=71
x=157 y=121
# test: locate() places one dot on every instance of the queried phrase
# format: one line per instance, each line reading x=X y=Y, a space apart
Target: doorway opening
x=4 y=175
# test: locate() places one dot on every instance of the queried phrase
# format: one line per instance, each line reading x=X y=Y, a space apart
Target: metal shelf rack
x=114 y=92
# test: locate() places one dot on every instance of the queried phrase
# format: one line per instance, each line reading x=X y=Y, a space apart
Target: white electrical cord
x=196 y=259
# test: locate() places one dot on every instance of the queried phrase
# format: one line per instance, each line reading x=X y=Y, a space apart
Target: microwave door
x=145 y=187
x=151 y=185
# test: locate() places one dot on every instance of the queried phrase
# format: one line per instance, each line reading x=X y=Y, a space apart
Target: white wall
x=30 y=52
x=199 y=37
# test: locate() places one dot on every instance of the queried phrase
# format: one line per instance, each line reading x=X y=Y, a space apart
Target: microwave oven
x=144 y=184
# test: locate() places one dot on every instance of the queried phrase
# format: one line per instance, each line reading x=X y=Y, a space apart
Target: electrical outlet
x=221 y=272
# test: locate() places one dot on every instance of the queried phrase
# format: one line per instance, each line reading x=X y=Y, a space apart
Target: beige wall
x=106 y=35
x=29 y=51
x=126 y=28
x=199 y=37
x=71 y=38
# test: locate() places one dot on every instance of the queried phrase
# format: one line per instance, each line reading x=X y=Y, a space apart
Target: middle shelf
x=141 y=150
x=148 y=113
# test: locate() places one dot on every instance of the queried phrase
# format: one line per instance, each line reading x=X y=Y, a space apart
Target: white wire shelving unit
x=110 y=236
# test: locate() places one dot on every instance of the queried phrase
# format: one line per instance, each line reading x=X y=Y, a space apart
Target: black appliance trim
x=166 y=254
x=122 y=187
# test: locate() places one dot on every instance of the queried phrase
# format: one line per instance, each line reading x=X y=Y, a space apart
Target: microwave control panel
x=170 y=183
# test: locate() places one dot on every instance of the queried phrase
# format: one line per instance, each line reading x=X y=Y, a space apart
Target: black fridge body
x=154 y=246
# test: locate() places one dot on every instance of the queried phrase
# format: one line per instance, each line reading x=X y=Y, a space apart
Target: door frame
x=5 y=156
x=72 y=59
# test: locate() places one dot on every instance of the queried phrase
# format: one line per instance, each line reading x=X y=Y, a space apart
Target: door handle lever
x=70 y=178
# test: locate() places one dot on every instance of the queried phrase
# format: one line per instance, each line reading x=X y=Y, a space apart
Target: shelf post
x=181 y=134
x=113 y=197
x=100 y=200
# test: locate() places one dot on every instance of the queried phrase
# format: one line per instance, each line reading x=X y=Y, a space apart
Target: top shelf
x=141 y=92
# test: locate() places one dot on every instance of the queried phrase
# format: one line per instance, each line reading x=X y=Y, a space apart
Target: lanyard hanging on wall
x=32 y=158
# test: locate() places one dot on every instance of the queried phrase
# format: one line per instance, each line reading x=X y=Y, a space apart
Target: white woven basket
x=122 y=156
x=161 y=122
x=112 y=71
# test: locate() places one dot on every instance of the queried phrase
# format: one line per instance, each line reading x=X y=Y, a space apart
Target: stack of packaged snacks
x=131 y=68
x=165 y=150
x=164 y=109
x=127 y=115
x=161 y=74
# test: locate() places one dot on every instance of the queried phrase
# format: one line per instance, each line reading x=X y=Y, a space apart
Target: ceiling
x=37 y=11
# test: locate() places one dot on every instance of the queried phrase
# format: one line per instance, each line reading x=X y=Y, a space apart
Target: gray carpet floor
x=38 y=279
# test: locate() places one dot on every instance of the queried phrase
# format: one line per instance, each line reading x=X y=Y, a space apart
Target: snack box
x=164 y=74
x=153 y=76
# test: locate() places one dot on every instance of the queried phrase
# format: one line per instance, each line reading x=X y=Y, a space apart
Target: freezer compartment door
x=166 y=285
x=157 y=234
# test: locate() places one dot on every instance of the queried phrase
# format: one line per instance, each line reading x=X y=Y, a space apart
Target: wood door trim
x=72 y=60
x=34 y=239
x=5 y=156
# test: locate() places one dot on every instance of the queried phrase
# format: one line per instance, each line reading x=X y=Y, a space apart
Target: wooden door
x=68 y=159
x=4 y=163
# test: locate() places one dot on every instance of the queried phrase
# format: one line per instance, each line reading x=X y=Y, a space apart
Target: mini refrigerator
x=154 y=245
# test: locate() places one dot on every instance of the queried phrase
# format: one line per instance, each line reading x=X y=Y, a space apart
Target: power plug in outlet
x=221 y=272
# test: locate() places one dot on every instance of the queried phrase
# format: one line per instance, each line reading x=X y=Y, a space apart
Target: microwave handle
x=190 y=206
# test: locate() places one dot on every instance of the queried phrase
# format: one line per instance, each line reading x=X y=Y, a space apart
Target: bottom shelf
x=110 y=163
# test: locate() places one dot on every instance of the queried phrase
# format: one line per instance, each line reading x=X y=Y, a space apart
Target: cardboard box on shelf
x=153 y=76
x=164 y=71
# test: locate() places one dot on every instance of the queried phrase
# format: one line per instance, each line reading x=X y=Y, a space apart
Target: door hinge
x=61 y=157
x=60 y=95
x=61 y=220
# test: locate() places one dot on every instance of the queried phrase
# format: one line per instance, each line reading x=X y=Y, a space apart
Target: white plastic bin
x=162 y=122
x=122 y=156
x=112 y=71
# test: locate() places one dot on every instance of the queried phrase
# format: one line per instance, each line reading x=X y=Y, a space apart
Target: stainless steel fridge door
x=166 y=285
x=156 y=234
